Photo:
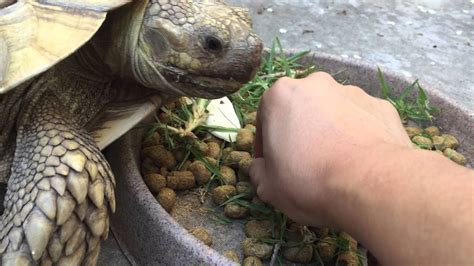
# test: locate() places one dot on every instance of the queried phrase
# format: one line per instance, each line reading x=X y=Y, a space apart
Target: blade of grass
x=383 y=84
x=270 y=60
x=234 y=198
x=219 y=218
x=252 y=206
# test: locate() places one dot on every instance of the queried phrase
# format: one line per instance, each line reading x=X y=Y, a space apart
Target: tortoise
x=75 y=76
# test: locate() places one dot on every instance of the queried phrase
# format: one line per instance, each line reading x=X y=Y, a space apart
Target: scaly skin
x=55 y=196
x=60 y=187
x=60 y=184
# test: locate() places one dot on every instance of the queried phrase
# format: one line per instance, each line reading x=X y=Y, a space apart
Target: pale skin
x=331 y=155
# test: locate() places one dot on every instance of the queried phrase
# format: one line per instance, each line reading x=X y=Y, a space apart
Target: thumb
x=257 y=172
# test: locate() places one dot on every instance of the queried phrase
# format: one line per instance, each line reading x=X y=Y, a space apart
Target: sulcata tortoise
x=76 y=75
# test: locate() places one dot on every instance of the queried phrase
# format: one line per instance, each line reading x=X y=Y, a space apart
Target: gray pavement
x=431 y=40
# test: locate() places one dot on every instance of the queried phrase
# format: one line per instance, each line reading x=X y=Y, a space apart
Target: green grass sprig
x=410 y=105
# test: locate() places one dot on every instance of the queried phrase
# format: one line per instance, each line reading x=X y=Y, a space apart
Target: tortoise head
x=201 y=48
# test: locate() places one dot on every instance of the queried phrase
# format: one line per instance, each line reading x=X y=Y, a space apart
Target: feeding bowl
x=149 y=235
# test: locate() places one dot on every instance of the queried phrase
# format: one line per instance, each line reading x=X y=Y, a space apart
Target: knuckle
x=386 y=105
x=321 y=75
x=283 y=82
x=355 y=90
x=278 y=91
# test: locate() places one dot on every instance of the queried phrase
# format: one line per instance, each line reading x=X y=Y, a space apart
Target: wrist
x=378 y=199
x=359 y=179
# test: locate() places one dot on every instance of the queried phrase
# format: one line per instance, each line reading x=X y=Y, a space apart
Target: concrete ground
x=431 y=40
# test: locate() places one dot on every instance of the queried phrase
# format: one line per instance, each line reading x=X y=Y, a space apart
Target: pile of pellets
x=430 y=138
x=168 y=172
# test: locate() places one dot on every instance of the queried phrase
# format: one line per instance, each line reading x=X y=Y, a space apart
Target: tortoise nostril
x=212 y=44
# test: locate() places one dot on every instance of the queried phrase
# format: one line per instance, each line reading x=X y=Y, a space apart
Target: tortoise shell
x=37 y=34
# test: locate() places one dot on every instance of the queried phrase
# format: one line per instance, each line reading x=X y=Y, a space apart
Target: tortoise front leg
x=58 y=192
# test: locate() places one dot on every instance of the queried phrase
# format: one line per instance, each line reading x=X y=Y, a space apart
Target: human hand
x=313 y=135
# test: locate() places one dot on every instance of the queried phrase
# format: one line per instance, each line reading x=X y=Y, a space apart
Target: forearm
x=408 y=206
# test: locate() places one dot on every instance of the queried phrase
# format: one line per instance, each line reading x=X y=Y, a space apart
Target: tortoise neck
x=116 y=42
x=90 y=60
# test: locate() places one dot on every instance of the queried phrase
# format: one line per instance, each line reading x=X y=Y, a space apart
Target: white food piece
x=222 y=114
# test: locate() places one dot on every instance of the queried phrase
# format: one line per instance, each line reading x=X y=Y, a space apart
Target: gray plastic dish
x=148 y=235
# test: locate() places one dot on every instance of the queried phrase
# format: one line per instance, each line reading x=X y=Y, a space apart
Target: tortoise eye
x=212 y=44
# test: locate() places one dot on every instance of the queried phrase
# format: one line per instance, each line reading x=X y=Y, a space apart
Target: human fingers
x=258 y=175
x=257 y=171
x=258 y=141
x=268 y=188
x=270 y=104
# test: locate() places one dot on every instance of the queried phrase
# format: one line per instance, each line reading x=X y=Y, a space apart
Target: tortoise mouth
x=215 y=83
x=195 y=85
